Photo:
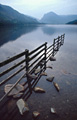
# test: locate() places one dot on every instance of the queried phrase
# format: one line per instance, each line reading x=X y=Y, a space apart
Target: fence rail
x=29 y=63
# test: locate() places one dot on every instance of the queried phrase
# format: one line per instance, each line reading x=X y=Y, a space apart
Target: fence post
x=62 y=39
x=45 y=50
x=58 y=43
x=27 y=70
x=27 y=60
x=45 y=55
x=53 y=47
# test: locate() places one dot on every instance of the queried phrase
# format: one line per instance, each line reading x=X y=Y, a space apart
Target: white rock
x=37 y=71
x=43 y=74
x=39 y=90
x=50 y=79
x=15 y=90
x=36 y=114
x=22 y=106
x=53 y=110
x=56 y=86
x=18 y=95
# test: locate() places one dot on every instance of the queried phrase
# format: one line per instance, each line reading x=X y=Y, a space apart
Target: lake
x=14 y=40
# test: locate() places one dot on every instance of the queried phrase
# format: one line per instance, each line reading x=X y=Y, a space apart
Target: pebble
x=39 y=90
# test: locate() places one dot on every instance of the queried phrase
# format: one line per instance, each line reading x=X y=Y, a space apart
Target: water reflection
x=48 y=30
x=31 y=79
x=12 y=33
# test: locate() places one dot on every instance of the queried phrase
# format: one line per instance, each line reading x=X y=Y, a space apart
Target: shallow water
x=15 y=40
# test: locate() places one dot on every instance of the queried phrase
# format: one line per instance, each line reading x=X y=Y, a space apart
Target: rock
x=36 y=114
x=18 y=88
x=56 y=49
x=32 y=76
x=39 y=90
x=50 y=79
x=53 y=110
x=52 y=58
x=49 y=67
x=41 y=63
x=56 y=86
x=23 y=83
x=18 y=95
x=22 y=106
x=37 y=71
x=65 y=72
x=43 y=74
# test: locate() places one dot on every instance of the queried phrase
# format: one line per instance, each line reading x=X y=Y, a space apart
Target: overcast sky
x=37 y=8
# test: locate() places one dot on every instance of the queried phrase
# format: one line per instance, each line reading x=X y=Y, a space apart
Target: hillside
x=53 y=18
x=72 y=22
x=10 y=16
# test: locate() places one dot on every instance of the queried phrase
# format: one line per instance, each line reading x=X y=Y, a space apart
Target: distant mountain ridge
x=10 y=16
x=53 y=18
x=72 y=22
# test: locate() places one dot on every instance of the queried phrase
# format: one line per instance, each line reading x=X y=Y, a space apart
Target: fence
x=27 y=63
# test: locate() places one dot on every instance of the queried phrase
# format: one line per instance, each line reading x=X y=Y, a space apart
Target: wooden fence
x=26 y=63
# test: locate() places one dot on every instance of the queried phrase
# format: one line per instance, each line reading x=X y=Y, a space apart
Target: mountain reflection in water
x=12 y=33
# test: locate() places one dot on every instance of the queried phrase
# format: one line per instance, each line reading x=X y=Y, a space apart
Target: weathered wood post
x=27 y=60
x=45 y=55
x=58 y=43
x=27 y=70
x=53 y=47
x=61 y=39
x=45 y=50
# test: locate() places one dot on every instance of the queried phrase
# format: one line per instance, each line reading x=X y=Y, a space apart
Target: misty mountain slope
x=72 y=22
x=9 y=15
x=53 y=18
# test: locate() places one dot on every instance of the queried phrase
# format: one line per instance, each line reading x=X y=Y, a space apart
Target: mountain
x=10 y=16
x=53 y=18
x=72 y=22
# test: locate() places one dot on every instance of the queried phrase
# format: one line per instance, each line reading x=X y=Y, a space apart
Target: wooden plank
x=36 y=60
x=11 y=76
x=36 y=54
x=50 y=46
x=50 y=50
x=11 y=68
x=12 y=59
x=31 y=71
x=37 y=48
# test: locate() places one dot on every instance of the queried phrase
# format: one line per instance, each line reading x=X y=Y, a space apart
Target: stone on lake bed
x=36 y=114
x=22 y=106
x=50 y=79
x=39 y=90
x=43 y=74
x=53 y=110
x=18 y=88
x=49 y=67
x=37 y=71
x=52 y=58
x=32 y=76
x=17 y=95
x=56 y=86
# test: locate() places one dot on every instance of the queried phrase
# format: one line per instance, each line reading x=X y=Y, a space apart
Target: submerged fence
x=26 y=63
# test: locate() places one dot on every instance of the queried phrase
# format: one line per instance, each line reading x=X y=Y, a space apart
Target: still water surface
x=17 y=39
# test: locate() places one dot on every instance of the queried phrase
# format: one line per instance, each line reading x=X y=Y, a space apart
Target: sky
x=37 y=8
